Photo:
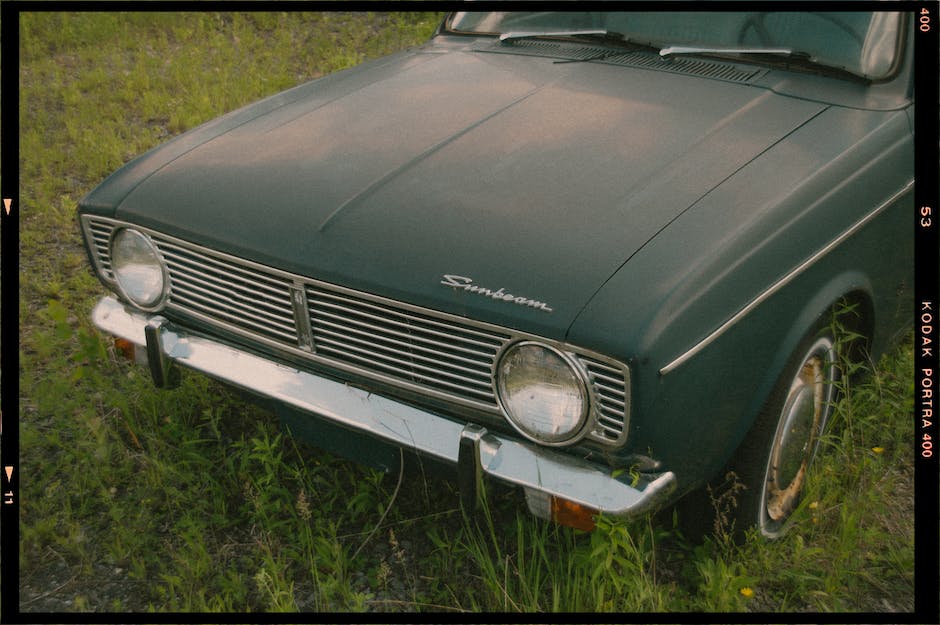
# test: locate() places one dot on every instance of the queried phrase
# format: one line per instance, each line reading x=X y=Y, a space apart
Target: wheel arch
x=847 y=296
x=846 y=303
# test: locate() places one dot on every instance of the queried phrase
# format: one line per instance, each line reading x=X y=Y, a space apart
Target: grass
x=134 y=499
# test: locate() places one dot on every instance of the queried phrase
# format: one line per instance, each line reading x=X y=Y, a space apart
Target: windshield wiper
x=579 y=34
x=669 y=51
x=792 y=59
x=606 y=37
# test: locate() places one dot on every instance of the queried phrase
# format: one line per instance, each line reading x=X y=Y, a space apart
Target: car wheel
x=763 y=483
x=774 y=459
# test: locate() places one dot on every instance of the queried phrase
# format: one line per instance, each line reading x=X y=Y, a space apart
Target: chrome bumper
x=542 y=472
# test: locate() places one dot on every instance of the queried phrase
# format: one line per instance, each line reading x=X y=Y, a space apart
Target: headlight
x=137 y=268
x=542 y=393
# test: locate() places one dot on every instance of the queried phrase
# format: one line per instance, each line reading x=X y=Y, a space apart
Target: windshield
x=864 y=43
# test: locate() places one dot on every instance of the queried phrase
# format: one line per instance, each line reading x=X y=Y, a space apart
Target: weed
x=724 y=501
x=724 y=586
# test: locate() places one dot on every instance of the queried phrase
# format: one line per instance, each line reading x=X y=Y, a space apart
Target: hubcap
x=805 y=410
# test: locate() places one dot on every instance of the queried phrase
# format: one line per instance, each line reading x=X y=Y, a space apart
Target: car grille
x=442 y=355
x=415 y=347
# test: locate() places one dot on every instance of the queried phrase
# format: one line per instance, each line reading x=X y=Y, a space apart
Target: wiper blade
x=669 y=51
x=606 y=37
x=793 y=59
x=586 y=34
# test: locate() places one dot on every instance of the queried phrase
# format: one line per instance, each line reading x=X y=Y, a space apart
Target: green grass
x=134 y=499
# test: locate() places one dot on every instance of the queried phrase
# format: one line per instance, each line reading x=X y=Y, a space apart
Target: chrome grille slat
x=188 y=257
x=408 y=321
x=370 y=339
x=609 y=384
x=349 y=321
x=611 y=404
x=597 y=366
x=420 y=349
x=253 y=301
x=610 y=414
x=611 y=433
x=441 y=355
x=607 y=390
x=264 y=304
x=276 y=296
x=100 y=237
x=495 y=339
x=185 y=295
x=610 y=425
x=435 y=381
x=608 y=379
x=407 y=365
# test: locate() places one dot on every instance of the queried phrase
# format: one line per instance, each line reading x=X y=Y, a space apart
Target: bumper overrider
x=555 y=483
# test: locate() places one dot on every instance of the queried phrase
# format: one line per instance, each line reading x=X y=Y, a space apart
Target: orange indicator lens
x=125 y=347
x=573 y=514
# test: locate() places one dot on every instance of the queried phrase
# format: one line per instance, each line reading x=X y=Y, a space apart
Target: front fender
x=708 y=313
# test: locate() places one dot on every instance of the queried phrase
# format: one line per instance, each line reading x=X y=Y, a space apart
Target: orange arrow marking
x=6 y=204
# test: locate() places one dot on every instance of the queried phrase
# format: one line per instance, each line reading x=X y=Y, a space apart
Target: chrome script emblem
x=466 y=284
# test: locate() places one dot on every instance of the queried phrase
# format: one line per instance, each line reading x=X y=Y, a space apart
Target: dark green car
x=592 y=255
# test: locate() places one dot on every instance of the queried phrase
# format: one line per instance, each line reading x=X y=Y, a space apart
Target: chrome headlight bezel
x=154 y=298
x=578 y=378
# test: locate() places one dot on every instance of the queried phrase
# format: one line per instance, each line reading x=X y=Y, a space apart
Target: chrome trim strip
x=298 y=298
x=544 y=470
x=782 y=282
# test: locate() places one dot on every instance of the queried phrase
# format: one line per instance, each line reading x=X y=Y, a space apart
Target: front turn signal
x=573 y=514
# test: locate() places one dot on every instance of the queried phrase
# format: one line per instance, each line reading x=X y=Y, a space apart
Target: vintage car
x=592 y=255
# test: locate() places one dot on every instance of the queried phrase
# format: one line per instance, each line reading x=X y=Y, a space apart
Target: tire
x=777 y=453
x=764 y=482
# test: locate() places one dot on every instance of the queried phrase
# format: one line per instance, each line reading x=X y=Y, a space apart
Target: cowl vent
x=639 y=58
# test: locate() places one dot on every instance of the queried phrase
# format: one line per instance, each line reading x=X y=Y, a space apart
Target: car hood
x=501 y=187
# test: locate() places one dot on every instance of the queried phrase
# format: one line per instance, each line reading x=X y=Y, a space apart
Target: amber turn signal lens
x=573 y=514
x=125 y=348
